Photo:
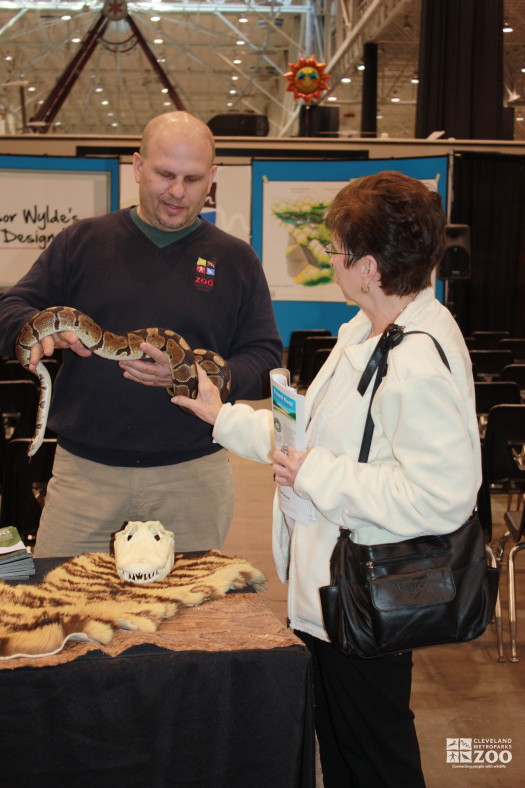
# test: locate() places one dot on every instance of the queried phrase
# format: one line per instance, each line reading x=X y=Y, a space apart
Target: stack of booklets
x=16 y=562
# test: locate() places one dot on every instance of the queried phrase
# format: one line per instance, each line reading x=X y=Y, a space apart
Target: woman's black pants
x=364 y=724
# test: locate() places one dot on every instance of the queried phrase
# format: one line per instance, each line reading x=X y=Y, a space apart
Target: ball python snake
x=117 y=347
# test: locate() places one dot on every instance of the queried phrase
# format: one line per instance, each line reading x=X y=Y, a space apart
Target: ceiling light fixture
x=243 y=20
x=237 y=61
x=519 y=117
x=240 y=43
x=507 y=28
x=361 y=67
x=395 y=98
x=415 y=79
x=332 y=98
x=346 y=80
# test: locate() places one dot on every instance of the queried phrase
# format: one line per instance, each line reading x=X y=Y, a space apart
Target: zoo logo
x=478 y=753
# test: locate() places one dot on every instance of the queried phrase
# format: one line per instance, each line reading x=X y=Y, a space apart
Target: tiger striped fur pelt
x=85 y=599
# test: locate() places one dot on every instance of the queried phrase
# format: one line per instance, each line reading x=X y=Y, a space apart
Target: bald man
x=174 y=170
x=124 y=452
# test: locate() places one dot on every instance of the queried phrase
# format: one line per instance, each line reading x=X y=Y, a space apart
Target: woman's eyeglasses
x=330 y=250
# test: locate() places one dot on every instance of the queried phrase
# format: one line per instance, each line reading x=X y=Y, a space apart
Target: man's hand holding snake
x=62 y=340
x=156 y=372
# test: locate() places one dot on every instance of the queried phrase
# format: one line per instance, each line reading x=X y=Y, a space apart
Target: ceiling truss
x=214 y=57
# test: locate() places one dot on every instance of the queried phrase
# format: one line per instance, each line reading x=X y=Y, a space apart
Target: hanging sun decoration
x=307 y=79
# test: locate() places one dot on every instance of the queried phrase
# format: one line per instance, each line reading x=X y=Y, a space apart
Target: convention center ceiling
x=117 y=64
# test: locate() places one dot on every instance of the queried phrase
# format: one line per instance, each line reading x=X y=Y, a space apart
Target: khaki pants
x=87 y=502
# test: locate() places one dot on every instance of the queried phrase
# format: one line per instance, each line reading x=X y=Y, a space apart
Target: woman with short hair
x=421 y=478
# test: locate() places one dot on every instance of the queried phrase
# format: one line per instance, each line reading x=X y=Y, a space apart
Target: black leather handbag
x=426 y=591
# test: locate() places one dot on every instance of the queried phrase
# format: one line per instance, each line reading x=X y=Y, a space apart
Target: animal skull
x=144 y=551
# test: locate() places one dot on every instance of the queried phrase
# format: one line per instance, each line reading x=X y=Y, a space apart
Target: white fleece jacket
x=424 y=468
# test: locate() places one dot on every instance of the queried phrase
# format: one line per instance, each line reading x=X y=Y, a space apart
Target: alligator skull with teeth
x=144 y=551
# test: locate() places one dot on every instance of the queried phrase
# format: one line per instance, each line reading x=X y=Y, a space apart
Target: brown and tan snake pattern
x=117 y=347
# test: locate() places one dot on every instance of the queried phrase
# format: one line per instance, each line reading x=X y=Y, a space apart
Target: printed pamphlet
x=290 y=433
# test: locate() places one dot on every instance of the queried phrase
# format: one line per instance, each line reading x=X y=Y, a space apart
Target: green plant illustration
x=306 y=260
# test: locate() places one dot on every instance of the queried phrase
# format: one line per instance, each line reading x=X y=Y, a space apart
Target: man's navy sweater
x=207 y=286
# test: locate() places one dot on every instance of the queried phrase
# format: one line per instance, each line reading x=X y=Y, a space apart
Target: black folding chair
x=310 y=347
x=503 y=441
x=515 y=522
x=484 y=508
x=515 y=372
x=516 y=347
x=19 y=404
x=25 y=485
x=318 y=360
x=489 y=363
x=11 y=369
x=494 y=392
x=295 y=350
x=488 y=340
x=3 y=442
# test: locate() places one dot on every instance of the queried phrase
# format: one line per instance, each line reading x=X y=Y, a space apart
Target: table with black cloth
x=225 y=703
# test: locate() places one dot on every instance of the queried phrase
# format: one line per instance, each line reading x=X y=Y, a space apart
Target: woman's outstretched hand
x=208 y=402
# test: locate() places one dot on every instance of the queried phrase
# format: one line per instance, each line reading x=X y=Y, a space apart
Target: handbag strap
x=393 y=335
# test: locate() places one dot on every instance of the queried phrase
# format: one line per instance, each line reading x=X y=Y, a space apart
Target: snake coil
x=116 y=347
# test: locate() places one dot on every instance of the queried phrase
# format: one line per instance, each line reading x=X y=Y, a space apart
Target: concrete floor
x=458 y=691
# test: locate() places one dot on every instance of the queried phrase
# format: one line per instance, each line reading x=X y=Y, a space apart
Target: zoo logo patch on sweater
x=205 y=274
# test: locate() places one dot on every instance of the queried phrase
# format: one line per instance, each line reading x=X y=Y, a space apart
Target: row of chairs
x=499 y=370
x=25 y=485
x=308 y=350
x=515 y=522
x=503 y=451
x=491 y=364
x=23 y=480
x=496 y=340
x=493 y=356
x=11 y=369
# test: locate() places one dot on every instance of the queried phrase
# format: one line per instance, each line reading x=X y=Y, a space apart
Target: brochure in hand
x=16 y=562
x=289 y=433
